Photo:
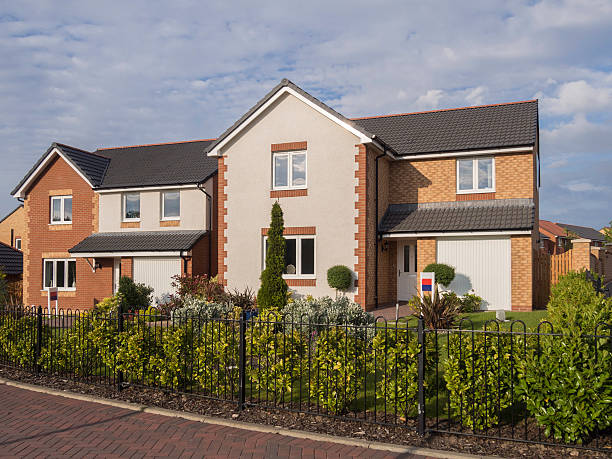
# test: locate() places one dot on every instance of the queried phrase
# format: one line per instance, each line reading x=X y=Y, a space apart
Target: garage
x=482 y=264
x=157 y=272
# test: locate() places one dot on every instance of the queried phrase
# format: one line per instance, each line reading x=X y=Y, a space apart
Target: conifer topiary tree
x=273 y=290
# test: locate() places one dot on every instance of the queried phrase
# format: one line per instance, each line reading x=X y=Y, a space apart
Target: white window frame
x=18 y=243
x=298 y=256
x=475 y=188
x=62 y=199
x=163 y=210
x=290 y=155
x=55 y=260
x=124 y=204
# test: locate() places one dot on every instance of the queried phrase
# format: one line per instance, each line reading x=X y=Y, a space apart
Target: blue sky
x=143 y=72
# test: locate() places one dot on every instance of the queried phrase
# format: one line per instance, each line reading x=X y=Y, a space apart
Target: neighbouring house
x=92 y=217
x=558 y=240
x=383 y=195
x=11 y=264
x=12 y=228
x=584 y=232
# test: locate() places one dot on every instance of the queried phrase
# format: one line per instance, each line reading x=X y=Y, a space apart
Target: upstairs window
x=171 y=205
x=131 y=206
x=61 y=209
x=18 y=243
x=476 y=175
x=289 y=170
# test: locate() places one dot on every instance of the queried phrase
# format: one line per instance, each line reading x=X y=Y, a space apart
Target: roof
x=285 y=83
x=177 y=163
x=552 y=228
x=584 y=232
x=141 y=241
x=12 y=212
x=11 y=260
x=161 y=164
x=486 y=215
x=469 y=128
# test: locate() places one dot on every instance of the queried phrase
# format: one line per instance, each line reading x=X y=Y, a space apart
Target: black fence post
x=242 y=362
x=38 y=345
x=119 y=330
x=421 y=377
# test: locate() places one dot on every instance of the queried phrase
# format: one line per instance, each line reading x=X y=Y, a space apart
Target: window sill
x=60 y=290
x=479 y=196
x=289 y=193
x=60 y=226
x=130 y=224
x=300 y=282
x=489 y=190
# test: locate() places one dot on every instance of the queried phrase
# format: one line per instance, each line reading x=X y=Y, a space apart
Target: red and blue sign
x=426 y=285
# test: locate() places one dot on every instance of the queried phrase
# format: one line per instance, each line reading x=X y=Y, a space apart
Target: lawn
x=478 y=319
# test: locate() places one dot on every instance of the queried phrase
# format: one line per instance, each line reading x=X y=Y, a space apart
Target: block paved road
x=33 y=424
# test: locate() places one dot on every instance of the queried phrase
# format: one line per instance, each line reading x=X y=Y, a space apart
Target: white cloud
x=429 y=100
x=584 y=186
x=578 y=97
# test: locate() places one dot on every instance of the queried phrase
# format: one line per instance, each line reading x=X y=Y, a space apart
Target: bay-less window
x=171 y=205
x=299 y=256
x=60 y=274
x=18 y=243
x=131 y=206
x=289 y=170
x=476 y=175
x=61 y=209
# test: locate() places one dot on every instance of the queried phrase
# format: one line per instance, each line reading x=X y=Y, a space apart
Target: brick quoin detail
x=475 y=196
x=288 y=193
x=301 y=282
x=360 y=221
x=221 y=221
x=289 y=146
x=294 y=230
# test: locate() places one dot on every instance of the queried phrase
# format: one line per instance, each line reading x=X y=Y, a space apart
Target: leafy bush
x=311 y=314
x=276 y=358
x=170 y=366
x=195 y=307
x=217 y=357
x=470 y=302
x=438 y=311
x=337 y=369
x=396 y=368
x=132 y=295
x=200 y=286
x=134 y=350
x=244 y=299
x=478 y=377
x=273 y=290
x=576 y=307
x=567 y=386
x=339 y=277
x=444 y=273
x=18 y=337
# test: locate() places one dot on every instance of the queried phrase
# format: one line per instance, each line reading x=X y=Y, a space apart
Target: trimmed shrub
x=575 y=306
x=273 y=290
x=337 y=369
x=133 y=296
x=444 y=273
x=478 y=375
x=567 y=386
x=339 y=277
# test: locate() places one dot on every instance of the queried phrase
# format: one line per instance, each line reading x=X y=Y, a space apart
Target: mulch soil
x=396 y=434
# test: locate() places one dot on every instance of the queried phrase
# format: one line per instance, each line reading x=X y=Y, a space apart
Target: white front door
x=406 y=270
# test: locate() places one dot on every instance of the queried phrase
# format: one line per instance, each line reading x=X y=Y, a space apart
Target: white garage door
x=481 y=264
x=157 y=272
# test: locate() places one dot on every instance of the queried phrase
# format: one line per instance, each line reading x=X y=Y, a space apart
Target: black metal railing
x=456 y=381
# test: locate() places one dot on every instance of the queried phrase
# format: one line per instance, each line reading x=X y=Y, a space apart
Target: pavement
x=41 y=422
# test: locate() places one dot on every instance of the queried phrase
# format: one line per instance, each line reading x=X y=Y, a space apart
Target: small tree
x=444 y=273
x=273 y=290
x=339 y=277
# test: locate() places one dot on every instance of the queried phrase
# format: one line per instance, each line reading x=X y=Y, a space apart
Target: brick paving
x=33 y=424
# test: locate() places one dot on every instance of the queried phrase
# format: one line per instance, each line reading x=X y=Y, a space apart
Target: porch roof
x=486 y=215
x=138 y=241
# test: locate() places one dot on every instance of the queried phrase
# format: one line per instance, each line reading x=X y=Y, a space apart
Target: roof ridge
x=154 y=144
x=80 y=149
x=443 y=110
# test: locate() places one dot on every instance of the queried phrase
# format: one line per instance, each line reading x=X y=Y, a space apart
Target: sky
x=99 y=74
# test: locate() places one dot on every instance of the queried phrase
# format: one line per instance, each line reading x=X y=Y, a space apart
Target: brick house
x=383 y=195
x=12 y=228
x=560 y=236
x=92 y=217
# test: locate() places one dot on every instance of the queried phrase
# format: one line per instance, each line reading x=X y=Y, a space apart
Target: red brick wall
x=199 y=257
x=522 y=273
x=127 y=267
x=53 y=241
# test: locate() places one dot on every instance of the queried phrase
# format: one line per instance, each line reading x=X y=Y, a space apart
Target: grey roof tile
x=492 y=126
x=164 y=164
x=139 y=241
x=488 y=215
x=584 y=232
x=11 y=260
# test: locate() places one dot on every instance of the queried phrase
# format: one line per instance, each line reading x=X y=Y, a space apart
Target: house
x=584 y=232
x=11 y=265
x=92 y=217
x=12 y=228
x=558 y=240
x=384 y=195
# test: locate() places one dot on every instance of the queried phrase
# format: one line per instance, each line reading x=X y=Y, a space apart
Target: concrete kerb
x=262 y=428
